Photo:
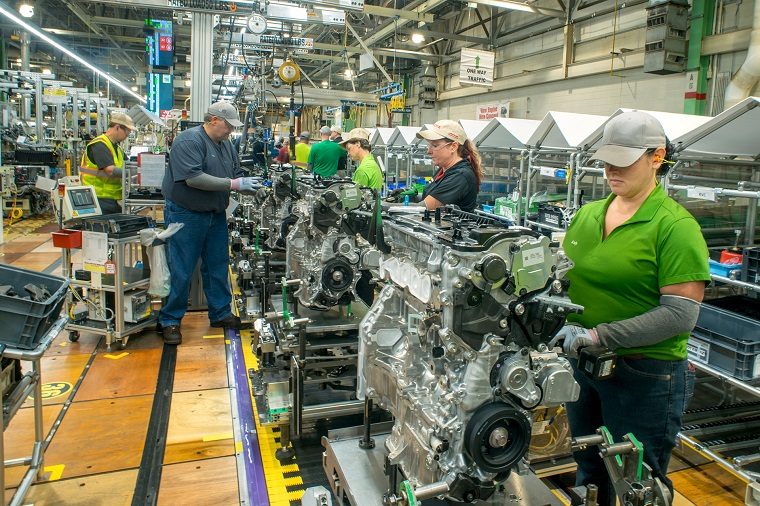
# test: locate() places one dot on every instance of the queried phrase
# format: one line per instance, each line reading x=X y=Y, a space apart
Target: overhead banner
x=476 y=67
x=485 y=112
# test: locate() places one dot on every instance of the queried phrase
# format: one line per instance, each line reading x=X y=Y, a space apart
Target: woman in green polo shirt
x=640 y=267
x=367 y=173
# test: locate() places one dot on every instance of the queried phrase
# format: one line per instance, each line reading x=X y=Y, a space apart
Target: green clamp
x=407 y=489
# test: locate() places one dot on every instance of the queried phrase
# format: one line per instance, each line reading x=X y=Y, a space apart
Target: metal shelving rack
x=729 y=139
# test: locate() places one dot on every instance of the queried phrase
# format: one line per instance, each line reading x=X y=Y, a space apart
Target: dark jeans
x=109 y=206
x=204 y=236
x=646 y=398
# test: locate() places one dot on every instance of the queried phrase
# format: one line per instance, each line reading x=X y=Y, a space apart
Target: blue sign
x=159 y=43
x=160 y=91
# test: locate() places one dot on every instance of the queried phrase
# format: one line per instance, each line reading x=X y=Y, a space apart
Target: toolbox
x=727 y=336
x=116 y=225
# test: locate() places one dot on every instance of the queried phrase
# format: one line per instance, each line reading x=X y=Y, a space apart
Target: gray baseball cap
x=305 y=135
x=325 y=130
x=227 y=112
x=628 y=136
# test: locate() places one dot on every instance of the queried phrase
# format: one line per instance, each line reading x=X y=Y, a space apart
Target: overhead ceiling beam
x=520 y=6
x=128 y=60
x=71 y=33
x=445 y=35
x=400 y=13
x=369 y=52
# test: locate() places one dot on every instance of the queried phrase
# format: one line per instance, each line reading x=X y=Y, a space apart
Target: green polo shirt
x=620 y=277
x=325 y=157
x=368 y=173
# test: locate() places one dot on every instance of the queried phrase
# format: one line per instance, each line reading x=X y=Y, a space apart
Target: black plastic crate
x=25 y=322
x=727 y=336
x=751 y=265
x=551 y=215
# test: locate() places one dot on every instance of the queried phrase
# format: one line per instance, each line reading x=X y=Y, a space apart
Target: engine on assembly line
x=322 y=244
x=455 y=347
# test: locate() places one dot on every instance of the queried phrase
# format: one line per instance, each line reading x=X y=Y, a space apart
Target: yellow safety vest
x=106 y=187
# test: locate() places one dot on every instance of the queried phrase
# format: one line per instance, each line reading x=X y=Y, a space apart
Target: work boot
x=231 y=322
x=172 y=335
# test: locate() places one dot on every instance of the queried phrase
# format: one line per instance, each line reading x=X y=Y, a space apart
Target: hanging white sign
x=476 y=67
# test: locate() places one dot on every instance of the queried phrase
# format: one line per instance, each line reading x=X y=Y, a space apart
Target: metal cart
x=125 y=279
x=28 y=385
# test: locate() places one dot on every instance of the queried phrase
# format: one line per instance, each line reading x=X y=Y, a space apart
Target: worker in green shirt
x=325 y=156
x=640 y=264
x=367 y=173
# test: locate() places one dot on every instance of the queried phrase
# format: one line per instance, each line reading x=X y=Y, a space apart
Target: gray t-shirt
x=192 y=153
x=99 y=154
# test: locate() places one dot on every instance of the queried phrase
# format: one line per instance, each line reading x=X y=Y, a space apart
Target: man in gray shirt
x=203 y=168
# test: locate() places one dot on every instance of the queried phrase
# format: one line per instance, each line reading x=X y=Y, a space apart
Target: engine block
x=323 y=249
x=455 y=347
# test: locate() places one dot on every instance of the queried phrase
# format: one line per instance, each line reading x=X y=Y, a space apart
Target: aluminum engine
x=455 y=348
x=322 y=246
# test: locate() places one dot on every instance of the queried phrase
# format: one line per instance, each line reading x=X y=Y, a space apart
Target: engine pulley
x=337 y=275
x=497 y=437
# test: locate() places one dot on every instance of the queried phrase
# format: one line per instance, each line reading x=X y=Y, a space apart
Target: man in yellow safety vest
x=103 y=162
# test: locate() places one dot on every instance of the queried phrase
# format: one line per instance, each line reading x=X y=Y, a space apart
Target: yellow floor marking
x=55 y=471
x=290 y=468
x=64 y=343
x=226 y=341
x=273 y=470
x=217 y=437
x=116 y=357
x=238 y=446
x=295 y=480
x=215 y=336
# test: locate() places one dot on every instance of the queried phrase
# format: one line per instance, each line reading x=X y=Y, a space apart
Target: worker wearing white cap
x=457 y=181
x=640 y=264
x=103 y=162
x=368 y=172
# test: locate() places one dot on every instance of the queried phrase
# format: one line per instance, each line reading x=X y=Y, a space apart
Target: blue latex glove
x=575 y=337
x=245 y=184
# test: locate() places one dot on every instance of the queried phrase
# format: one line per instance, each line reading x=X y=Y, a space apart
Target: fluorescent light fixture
x=133 y=88
x=504 y=4
x=50 y=40
x=26 y=9
x=325 y=84
x=188 y=82
x=418 y=38
x=47 y=72
x=348 y=74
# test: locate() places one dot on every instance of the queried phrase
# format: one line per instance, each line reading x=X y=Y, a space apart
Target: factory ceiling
x=403 y=36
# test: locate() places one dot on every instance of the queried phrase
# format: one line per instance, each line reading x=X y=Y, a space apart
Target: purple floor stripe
x=254 y=468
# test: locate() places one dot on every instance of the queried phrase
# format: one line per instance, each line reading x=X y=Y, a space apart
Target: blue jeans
x=204 y=236
x=645 y=397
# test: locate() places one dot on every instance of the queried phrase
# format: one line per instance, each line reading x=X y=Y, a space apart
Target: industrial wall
x=602 y=72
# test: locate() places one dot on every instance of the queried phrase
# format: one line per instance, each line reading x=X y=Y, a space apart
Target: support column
x=26 y=108
x=201 y=52
x=695 y=98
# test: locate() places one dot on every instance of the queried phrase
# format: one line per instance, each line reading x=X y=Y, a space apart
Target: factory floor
x=99 y=405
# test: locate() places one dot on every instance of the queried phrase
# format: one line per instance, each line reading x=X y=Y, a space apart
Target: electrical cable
x=229 y=46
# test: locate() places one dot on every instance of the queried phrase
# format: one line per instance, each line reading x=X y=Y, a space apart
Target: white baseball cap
x=358 y=134
x=628 y=136
x=445 y=129
x=227 y=112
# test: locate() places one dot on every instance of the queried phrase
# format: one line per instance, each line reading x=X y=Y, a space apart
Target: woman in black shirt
x=459 y=173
